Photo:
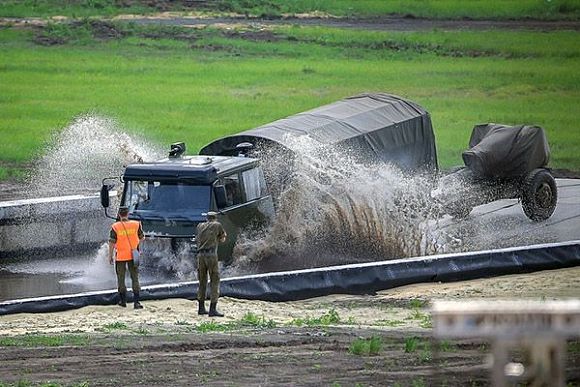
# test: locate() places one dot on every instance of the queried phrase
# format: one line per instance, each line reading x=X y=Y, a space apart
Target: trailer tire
x=539 y=195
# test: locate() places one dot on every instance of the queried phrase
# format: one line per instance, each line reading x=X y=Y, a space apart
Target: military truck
x=170 y=196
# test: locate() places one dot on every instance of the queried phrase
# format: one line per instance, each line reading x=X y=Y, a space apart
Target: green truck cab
x=171 y=196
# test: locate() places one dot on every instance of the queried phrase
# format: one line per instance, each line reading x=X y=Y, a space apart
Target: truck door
x=247 y=204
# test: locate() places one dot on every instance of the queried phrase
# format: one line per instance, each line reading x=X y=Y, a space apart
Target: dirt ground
x=288 y=343
x=384 y=23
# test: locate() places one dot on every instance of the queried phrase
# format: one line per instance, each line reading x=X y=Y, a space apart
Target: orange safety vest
x=127 y=238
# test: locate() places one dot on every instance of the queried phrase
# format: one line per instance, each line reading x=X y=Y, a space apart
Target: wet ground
x=495 y=225
x=386 y=23
x=58 y=275
x=503 y=223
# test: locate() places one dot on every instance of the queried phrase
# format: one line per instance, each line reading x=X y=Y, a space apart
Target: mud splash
x=338 y=209
x=82 y=154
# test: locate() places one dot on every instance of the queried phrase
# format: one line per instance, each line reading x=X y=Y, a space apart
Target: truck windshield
x=167 y=197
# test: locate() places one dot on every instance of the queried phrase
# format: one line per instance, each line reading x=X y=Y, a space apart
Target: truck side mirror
x=105 y=195
x=220 y=196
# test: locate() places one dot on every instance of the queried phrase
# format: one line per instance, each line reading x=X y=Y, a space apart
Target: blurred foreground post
x=535 y=331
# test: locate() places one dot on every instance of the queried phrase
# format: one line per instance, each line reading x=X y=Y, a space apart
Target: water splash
x=85 y=152
x=338 y=209
x=96 y=273
x=167 y=261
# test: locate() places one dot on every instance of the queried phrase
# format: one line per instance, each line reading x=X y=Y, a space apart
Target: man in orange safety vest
x=124 y=237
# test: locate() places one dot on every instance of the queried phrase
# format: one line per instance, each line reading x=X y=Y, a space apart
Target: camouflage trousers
x=208 y=264
x=121 y=269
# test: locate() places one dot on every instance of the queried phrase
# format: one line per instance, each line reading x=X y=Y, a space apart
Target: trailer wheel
x=539 y=195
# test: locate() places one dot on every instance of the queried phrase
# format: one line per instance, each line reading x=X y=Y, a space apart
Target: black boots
x=136 y=303
x=213 y=312
x=201 y=309
x=122 y=300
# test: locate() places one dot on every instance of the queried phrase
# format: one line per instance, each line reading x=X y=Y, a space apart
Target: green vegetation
x=249 y=320
x=212 y=326
x=425 y=319
x=390 y=323
x=416 y=303
x=366 y=347
x=418 y=382
x=411 y=344
x=446 y=346
x=253 y=320
x=421 y=346
x=170 y=84
x=34 y=340
x=329 y=318
x=420 y=8
x=141 y=331
x=71 y=8
x=477 y=9
x=115 y=326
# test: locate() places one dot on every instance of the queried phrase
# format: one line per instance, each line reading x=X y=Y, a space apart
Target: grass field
x=179 y=84
x=478 y=9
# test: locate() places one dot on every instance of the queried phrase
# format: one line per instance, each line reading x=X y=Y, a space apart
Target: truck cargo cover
x=506 y=151
x=379 y=127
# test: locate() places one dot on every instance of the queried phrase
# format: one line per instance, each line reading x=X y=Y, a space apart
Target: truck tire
x=539 y=195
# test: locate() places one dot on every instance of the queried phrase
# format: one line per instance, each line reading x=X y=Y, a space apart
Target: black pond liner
x=366 y=278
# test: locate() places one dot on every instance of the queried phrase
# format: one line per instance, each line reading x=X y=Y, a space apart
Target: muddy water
x=50 y=276
x=23 y=278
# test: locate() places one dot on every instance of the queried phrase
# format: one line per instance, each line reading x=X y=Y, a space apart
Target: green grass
x=366 y=347
x=212 y=326
x=390 y=323
x=249 y=320
x=329 y=318
x=411 y=344
x=71 y=8
x=115 y=326
x=206 y=84
x=477 y=9
x=253 y=320
x=34 y=340
x=420 y=346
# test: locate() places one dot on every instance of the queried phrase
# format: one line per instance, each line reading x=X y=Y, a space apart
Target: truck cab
x=171 y=196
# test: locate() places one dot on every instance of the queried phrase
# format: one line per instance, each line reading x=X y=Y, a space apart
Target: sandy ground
x=164 y=344
x=390 y=309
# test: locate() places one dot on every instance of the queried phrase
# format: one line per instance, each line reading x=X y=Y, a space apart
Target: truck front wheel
x=539 y=195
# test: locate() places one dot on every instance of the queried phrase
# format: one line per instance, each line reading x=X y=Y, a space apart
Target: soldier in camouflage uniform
x=208 y=237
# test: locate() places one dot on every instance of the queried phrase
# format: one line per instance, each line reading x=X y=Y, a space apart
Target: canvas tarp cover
x=506 y=151
x=380 y=127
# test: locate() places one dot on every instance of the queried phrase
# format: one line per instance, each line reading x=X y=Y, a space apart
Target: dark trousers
x=208 y=264
x=121 y=269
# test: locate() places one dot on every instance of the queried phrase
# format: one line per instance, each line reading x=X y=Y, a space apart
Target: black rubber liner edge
x=366 y=278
